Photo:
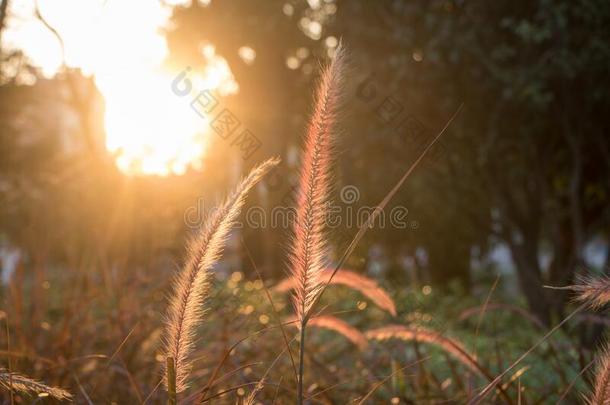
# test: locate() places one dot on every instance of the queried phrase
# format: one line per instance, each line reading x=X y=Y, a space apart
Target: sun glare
x=149 y=130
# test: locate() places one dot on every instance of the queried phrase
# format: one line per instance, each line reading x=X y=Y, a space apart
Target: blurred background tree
x=524 y=167
x=527 y=161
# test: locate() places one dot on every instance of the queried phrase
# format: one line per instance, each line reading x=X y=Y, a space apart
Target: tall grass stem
x=171 y=381
x=301 y=364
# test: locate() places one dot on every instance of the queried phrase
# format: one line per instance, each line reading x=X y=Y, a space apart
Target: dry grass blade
x=573 y=382
x=450 y=346
x=341 y=327
x=422 y=335
x=273 y=308
x=248 y=384
x=478 y=398
x=191 y=285
x=213 y=379
x=524 y=314
x=369 y=288
x=251 y=398
x=309 y=244
x=497 y=306
x=385 y=379
x=24 y=385
x=601 y=389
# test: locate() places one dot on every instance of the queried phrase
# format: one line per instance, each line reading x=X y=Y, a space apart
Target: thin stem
x=171 y=381
x=371 y=219
x=301 y=365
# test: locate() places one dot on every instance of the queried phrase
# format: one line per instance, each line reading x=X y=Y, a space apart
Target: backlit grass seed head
x=367 y=287
x=27 y=386
x=309 y=245
x=418 y=334
x=595 y=291
x=340 y=326
x=601 y=388
x=191 y=285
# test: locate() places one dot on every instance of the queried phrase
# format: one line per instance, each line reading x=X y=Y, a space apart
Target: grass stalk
x=301 y=364
x=171 y=381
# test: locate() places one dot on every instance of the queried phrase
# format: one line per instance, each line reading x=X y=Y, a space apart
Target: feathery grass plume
x=191 y=284
x=24 y=385
x=309 y=243
x=367 y=287
x=595 y=291
x=343 y=328
x=423 y=335
x=601 y=389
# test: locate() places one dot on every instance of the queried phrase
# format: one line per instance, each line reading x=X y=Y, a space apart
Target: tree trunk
x=529 y=274
x=562 y=268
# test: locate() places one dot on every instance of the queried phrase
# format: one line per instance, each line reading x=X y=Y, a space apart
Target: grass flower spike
x=309 y=243
x=191 y=285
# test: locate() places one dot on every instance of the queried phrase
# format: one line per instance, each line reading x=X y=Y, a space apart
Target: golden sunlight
x=149 y=130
